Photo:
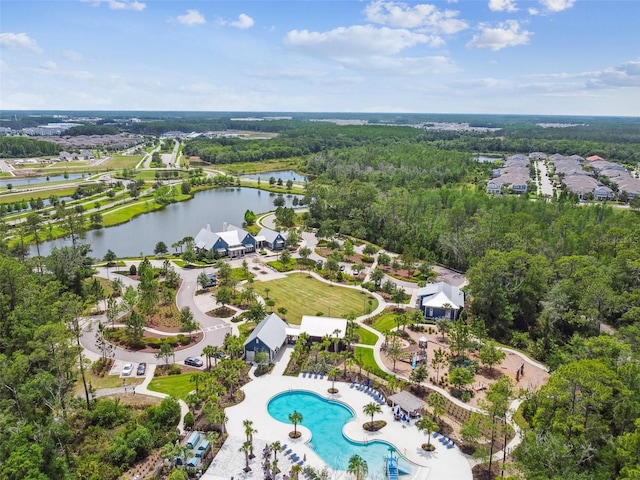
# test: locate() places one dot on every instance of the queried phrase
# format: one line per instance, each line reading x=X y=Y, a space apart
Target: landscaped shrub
x=133 y=270
x=173 y=341
x=174 y=369
x=183 y=339
x=153 y=342
x=189 y=420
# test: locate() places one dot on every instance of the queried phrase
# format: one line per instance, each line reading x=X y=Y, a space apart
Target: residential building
x=232 y=241
x=440 y=300
x=269 y=337
x=271 y=239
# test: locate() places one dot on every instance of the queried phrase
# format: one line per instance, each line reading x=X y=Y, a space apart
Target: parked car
x=342 y=268
x=142 y=369
x=127 y=369
x=193 y=361
x=221 y=355
x=212 y=280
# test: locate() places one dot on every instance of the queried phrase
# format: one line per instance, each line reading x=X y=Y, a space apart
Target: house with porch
x=440 y=300
x=232 y=241
x=269 y=337
x=271 y=239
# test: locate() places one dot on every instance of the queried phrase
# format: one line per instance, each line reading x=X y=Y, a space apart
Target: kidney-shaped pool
x=325 y=419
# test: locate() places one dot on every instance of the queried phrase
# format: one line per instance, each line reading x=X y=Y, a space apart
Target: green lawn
x=245 y=329
x=121 y=161
x=369 y=362
x=178 y=386
x=385 y=322
x=302 y=295
x=366 y=337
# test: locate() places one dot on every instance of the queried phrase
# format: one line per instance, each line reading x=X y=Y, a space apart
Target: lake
x=176 y=221
x=282 y=174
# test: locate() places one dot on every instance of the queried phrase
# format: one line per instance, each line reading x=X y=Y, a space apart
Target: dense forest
x=22 y=147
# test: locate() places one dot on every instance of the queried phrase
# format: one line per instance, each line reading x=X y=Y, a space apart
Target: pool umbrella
x=404 y=418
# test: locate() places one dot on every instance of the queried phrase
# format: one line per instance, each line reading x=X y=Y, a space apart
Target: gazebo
x=408 y=402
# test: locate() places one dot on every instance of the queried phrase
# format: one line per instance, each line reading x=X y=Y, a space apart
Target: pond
x=176 y=221
x=35 y=181
x=284 y=175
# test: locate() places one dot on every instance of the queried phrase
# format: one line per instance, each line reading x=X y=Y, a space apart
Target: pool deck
x=229 y=463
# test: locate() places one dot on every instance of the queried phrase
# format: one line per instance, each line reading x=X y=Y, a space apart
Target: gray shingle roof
x=270 y=331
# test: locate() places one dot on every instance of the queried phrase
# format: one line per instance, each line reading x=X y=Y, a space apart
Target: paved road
x=545 y=182
x=4 y=167
x=169 y=159
x=214 y=329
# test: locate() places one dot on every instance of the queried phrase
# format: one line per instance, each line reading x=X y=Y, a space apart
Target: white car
x=127 y=369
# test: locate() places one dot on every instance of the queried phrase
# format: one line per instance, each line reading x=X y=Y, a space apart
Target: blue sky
x=564 y=57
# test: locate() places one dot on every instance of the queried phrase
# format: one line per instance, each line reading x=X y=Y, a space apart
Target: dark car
x=193 y=361
x=212 y=280
x=142 y=368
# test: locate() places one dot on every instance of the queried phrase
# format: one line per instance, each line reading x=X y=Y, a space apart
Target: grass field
x=385 y=322
x=369 y=361
x=366 y=337
x=258 y=167
x=18 y=197
x=177 y=386
x=301 y=295
x=121 y=161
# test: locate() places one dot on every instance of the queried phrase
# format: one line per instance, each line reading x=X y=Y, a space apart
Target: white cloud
x=424 y=16
x=505 y=34
x=50 y=68
x=134 y=5
x=533 y=11
x=244 y=21
x=557 y=5
x=73 y=56
x=192 y=17
x=624 y=75
x=403 y=66
x=502 y=6
x=356 y=40
x=19 y=41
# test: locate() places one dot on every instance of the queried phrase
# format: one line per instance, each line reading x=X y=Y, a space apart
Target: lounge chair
x=451 y=445
x=435 y=434
x=352 y=384
x=283 y=447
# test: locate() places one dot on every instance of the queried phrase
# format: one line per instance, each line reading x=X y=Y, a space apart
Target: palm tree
x=426 y=425
x=438 y=361
x=275 y=448
x=295 y=418
x=371 y=409
x=209 y=352
x=358 y=467
x=249 y=431
x=197 y=378
x=246 y=449
x=334 y=373
x=295 y=470
x=437 y=403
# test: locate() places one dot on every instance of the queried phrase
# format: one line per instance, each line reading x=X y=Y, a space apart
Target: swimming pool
x=325 y=419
